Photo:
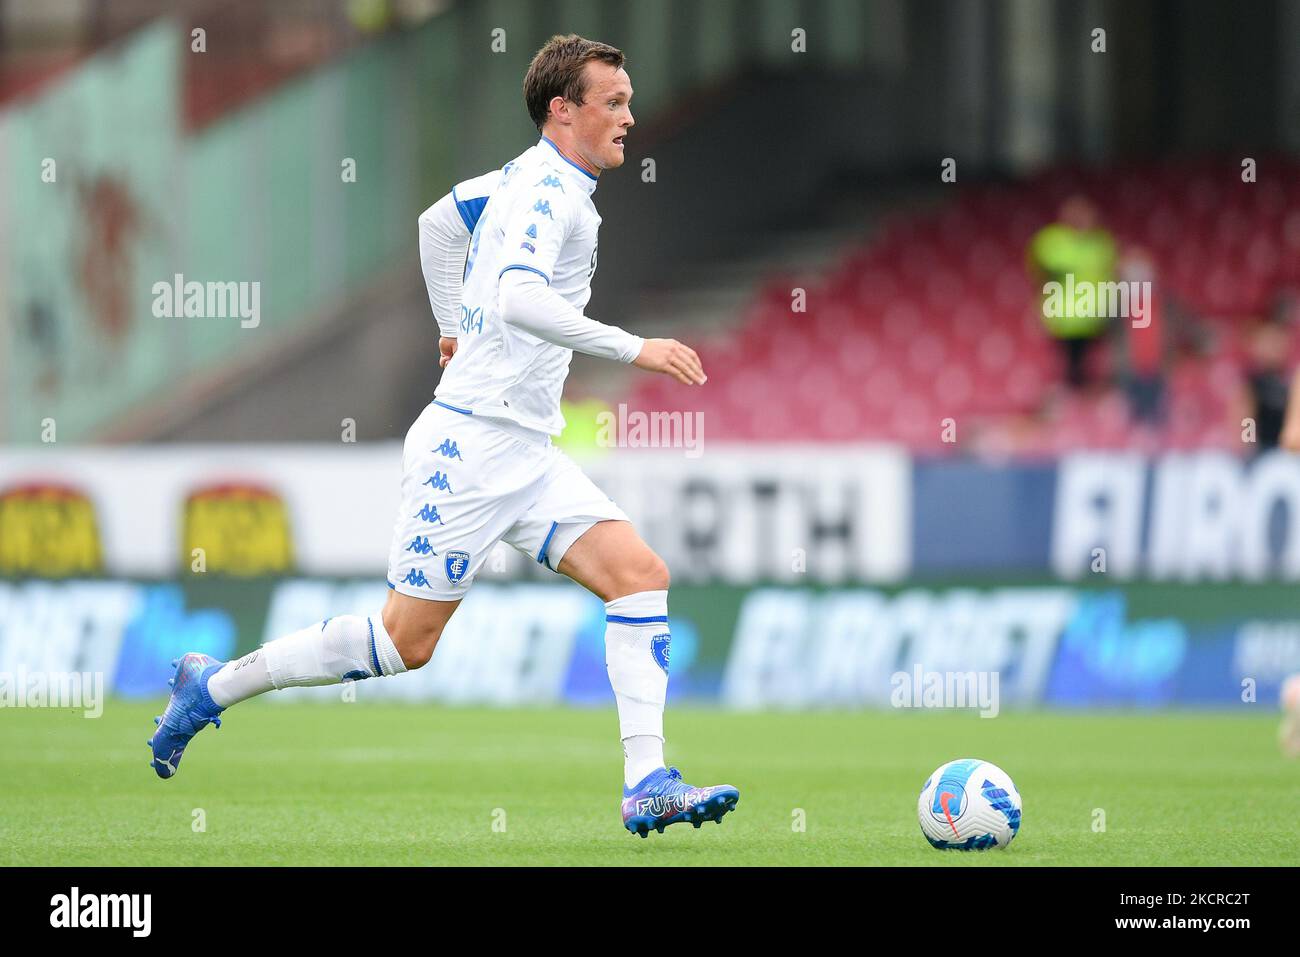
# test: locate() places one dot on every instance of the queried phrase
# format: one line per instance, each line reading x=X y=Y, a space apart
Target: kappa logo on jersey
x=457 y=563
x=420 y=545
x=551 y=181
x=543 y=206
x=531 y=231
x=416 y=577
x=429 y=513
x=659 y=649
x=439 y=482
x=448 y=448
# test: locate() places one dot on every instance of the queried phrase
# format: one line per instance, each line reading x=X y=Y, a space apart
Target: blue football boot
x=188 y=712
x=662 y=798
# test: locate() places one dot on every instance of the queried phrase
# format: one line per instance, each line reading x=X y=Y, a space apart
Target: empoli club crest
x=457 y=564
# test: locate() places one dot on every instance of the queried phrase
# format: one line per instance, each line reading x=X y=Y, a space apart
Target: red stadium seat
x=936 y=317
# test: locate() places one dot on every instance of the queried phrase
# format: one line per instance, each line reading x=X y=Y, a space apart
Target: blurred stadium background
x=840 y=202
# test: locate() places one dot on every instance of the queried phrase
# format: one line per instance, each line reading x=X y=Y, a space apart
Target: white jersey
x=535 y=214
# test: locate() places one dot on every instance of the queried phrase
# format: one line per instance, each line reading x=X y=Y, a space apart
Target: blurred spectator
x=587 y=424
x=1073 y=252
x=1267 y=384
x=1146 y=346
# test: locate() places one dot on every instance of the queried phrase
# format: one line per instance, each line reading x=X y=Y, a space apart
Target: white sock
x=636 y=655
x=348 y=646
x=642 y=753
x=238 y=680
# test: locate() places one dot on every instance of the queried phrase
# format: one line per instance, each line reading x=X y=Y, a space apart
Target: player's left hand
x=671 y=358
x=446 y=349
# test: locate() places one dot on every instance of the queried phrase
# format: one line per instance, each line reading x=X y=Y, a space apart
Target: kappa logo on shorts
x=448 y=448
x=416 y=577
x=659 y=649
x=456 y=563
x=439 y=482
x=429 y=513
x=420 y=545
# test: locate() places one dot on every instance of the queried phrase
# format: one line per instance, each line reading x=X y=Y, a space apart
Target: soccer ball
x=969 y=805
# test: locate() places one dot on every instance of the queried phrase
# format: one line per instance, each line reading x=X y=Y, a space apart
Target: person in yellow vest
x=1069 y=258
x=583 y=434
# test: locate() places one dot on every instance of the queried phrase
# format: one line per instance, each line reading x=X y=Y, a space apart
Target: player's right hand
x=446 y=349
x=671 y=358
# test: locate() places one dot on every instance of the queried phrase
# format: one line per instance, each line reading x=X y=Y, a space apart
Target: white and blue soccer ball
x=969 y=805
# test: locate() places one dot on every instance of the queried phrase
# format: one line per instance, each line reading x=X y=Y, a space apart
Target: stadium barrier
x=740 y=514
x=1096 y=580
x=766 y=647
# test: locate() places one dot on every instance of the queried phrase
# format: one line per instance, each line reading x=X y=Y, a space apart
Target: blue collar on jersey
x=547 y=140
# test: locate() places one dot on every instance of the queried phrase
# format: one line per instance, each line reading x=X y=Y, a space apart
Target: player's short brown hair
x=559 y=69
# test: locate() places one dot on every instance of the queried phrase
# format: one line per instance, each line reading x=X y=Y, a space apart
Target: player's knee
x=414 y=640
x=417 y=647
x=657 y=577
x=647 y=572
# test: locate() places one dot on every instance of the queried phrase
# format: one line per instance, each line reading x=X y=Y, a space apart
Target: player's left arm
x=528 y=303
x=540 y=225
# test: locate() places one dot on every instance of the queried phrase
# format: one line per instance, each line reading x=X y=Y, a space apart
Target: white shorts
x=469 y=482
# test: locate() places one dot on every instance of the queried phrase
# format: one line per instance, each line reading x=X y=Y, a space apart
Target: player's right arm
x=446 y=228
x=444 y=242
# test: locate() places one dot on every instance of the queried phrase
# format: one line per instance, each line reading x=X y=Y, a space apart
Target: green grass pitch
x=365 y=784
